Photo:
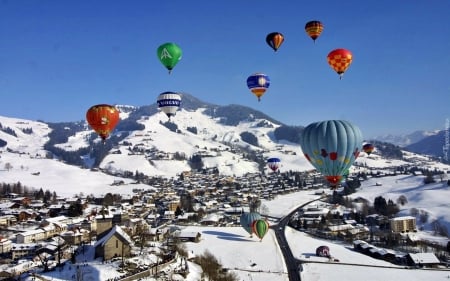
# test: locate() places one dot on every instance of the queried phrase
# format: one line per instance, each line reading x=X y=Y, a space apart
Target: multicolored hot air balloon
x=103 y=118
x=246 y=220
x=323 y=251
x=368 y=148
x=169 y=103
x=274 y=40
x=340 y=60
x=314 y=28
x=258 y=83
x=260 y=228
x=331 y=147
x=169 y=54
x=273 y=163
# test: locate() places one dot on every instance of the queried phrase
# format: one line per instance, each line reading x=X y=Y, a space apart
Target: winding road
x=293 y=265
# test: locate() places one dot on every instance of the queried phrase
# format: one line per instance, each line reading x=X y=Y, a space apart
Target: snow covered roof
x=211 y=218
x=115 y=229
x=424 y=258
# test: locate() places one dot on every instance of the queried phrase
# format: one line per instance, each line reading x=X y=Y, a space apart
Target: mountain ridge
x=197 y=137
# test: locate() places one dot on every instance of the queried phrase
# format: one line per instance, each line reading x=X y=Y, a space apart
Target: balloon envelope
x=169 y=103
x=169 y=54
x=260 y=228
x=340 y=60
x=323 y=251
x=102 y=118
x=331 y=147
x=314 y=28
x=247 y=219
x=368 y=148
x=274 y=40
x=258 y=83
x=273 y=163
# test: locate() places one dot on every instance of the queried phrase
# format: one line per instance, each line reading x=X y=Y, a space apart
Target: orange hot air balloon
x=274 y=40
x=314 y=28
x=340 y=60
x=103 y=118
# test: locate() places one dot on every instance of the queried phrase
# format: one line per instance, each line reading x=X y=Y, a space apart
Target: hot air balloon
x=340 y=60
x=274 y=40
x=247 y=219
x=314 y=28
x=368 y=148
x=273 y=163
x=169 y=103
x=260 y=228
x=323 y=251
x=331 y=147
x=102 y=118
x=169 y=54
x=258 y=83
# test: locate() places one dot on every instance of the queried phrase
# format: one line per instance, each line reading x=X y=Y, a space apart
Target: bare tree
x=402 y=200
x=8 y=166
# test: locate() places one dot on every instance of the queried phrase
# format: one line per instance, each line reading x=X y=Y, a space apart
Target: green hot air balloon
x=260 y=228
x=169 y=54
x=331 y=147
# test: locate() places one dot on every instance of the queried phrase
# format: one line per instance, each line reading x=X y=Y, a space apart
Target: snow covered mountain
x=233 y=140
x=406 y=139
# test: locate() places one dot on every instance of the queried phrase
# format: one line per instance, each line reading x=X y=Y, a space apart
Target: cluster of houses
x=400 y=258
x=29 y=227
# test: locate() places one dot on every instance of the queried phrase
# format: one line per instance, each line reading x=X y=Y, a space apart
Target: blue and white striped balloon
x=169 y=103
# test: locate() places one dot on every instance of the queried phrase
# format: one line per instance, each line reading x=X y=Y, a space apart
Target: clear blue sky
x=57 y=58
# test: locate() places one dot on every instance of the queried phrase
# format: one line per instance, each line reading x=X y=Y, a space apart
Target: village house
x=116 y=243
x=5 y=245
x=76 y=236
x=7 y=220
x=103 y=224
x=422 y=260
x=187 y=236
x=22 y=250
x=31 y=236
x=24 y=201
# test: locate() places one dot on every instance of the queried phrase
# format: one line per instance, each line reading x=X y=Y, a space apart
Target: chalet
x=341 y=230
x=211 y=219
x=5 y=245
x=422 y=260
x=4 y=207
x=116 y=243
x=22 y=250
x=31 y=236
x=25 y=214
x=169 y=215
x=103 y=224
x=76 y=237
x=24 y=201
x=188 y=236
x=7 y=220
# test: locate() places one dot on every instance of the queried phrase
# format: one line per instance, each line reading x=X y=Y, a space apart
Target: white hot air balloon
x=169 y=103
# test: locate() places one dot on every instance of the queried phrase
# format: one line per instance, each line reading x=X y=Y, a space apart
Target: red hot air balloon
x=274 y=40
x=103 y=118
x=340 y=60
x=368 y=148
